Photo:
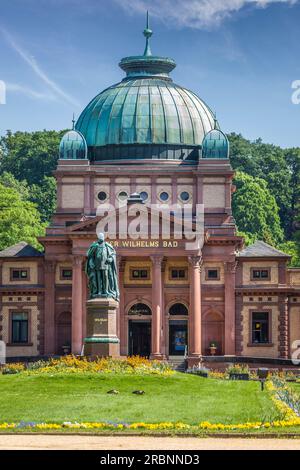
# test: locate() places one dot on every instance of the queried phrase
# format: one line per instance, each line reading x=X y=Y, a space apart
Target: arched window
x=178 y=309
x=139 y=309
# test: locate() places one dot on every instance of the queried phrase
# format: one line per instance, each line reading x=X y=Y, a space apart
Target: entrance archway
x=178 y=329
x=63 y=332
x=139 y=330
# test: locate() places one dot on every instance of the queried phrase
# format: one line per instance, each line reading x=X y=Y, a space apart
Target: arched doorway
x=178 y=329
x=63 y=333
x=213 y=332
x=139 y=330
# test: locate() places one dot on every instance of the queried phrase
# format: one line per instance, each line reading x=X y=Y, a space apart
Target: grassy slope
x=182 y=397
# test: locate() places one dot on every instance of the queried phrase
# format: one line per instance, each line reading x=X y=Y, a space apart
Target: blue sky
x=240 y=56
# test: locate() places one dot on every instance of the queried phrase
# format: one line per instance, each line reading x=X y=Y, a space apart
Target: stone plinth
x=101 y=328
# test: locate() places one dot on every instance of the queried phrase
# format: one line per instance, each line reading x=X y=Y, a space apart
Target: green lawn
x=83 y=397
x=295 y=386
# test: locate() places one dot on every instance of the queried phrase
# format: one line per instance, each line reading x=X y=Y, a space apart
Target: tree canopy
x=255 y=209
x=30 y=155
x=19 y=219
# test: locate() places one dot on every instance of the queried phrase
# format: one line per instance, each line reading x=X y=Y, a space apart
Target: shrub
x=12 y=368
x=238 y=369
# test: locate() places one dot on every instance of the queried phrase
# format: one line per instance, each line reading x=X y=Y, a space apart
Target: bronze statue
x=101 y=270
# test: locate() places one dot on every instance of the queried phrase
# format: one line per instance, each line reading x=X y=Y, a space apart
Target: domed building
x=154 y=151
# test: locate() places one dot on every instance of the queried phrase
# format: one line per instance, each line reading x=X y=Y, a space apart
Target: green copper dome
x=146 y=115
x=73 y=146
x=215 y=144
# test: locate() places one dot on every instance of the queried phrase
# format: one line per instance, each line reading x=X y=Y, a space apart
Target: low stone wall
x=222 y=362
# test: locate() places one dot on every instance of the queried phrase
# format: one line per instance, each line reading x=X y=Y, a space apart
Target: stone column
x=174 y=190
x=85 y=295
x=92 y=193
x=230 y=268
x=59 y=191
x=153 y=190
x=283 y=327
x=239 y=325
x=49 y=309
x=87 y=195
x=199 y=189
x=157 y=307
x=121 y=324
x=77 y=305
x=112 y=191
x=195 y=306
x=228 y=195
x=282 y=272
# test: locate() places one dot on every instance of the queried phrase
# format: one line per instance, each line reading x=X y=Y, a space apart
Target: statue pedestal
x=101 y=328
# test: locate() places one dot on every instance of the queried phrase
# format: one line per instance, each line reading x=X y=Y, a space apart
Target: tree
x=22 y=187
x=290 y=248
x=255 y=209
x=268 y=162
x=19 y=219
x=292 y=156
x=44 y=196
x=30 y=155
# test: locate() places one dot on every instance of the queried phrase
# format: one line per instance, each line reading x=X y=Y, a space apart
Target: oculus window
x=102 y=196
x=122 y=196
x=164 y=196
x=184 y=196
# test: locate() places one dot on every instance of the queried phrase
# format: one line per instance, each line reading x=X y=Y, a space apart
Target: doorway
x=63 y=333
x=139 y=336
x=178 y=337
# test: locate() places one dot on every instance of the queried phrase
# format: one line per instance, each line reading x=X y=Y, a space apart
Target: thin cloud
x=38 y=71
x=29 y=92
x=198 y=14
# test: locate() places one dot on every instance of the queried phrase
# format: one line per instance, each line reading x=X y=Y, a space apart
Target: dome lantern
x=147 y=65
x=215 y=143
x=73 y=145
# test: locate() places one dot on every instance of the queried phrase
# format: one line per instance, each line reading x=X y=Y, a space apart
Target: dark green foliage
x=30 y=155
x=278 y=167
x=255 y=209
x=19 y=219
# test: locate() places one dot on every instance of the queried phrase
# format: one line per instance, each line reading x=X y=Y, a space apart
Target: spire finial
x=73 y=122
x=147 y=33
x=215 y=121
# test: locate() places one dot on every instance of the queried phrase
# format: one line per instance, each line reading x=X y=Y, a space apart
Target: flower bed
x=105 y=426
x=285 y=399
x=72 y=364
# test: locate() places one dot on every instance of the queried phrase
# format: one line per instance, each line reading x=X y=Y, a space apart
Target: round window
x=102 y=196
x=122 y=195
x=184 y=196
x=144 y=195
x=164 y=196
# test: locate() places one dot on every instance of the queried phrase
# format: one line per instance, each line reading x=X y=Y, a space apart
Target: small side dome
x=73 y=146
x=215 y=145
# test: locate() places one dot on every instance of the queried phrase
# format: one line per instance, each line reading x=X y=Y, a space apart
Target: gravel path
x=75 y=442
